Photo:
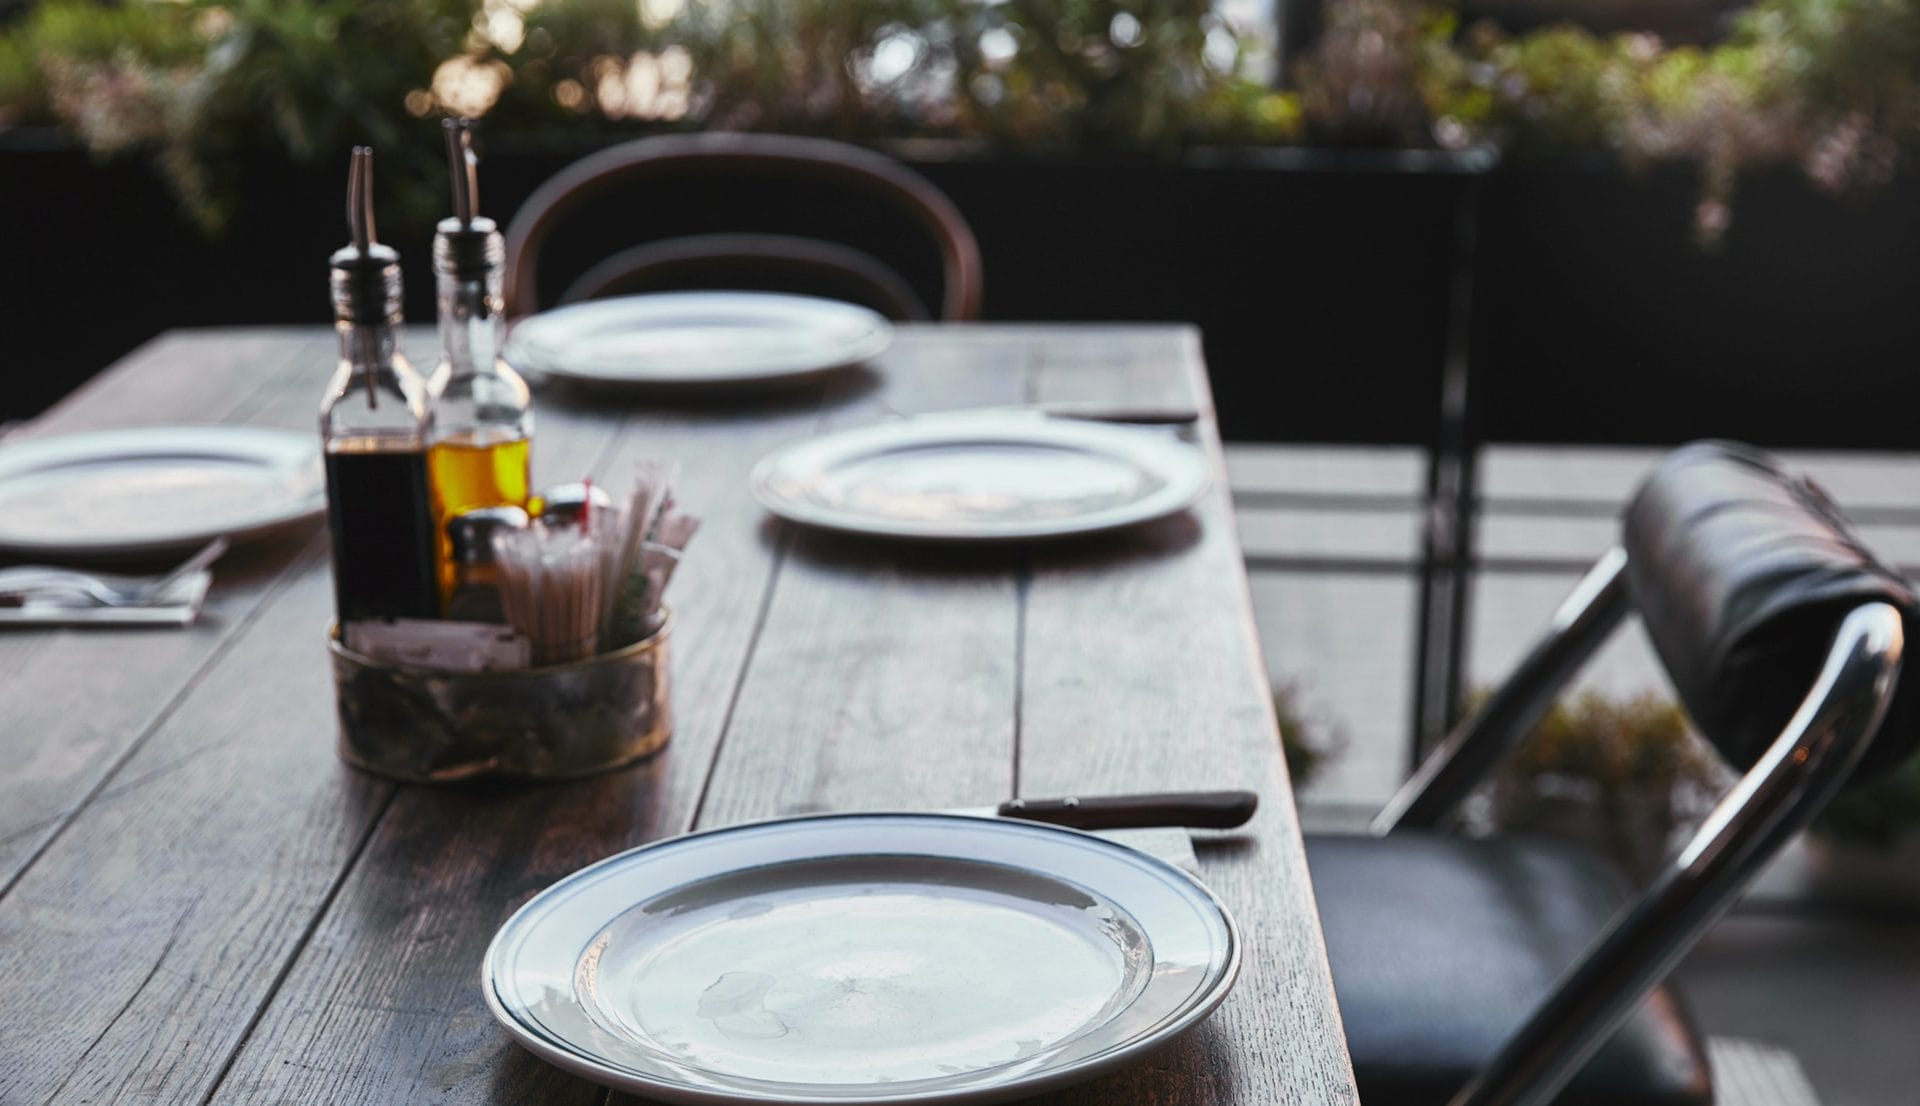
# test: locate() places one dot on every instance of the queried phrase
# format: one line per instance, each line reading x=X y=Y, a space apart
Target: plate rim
x=273 y=446
x=878 y=336
x=1194 y=1012
x=1039 y=427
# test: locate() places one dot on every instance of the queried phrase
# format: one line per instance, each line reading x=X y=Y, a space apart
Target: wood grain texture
x=886 y=673
x=183 y=888
x=242 y=881
x=124 y=678
x=1168 y=605
x=446 y=867
x=257 y=923
x=384 y=1006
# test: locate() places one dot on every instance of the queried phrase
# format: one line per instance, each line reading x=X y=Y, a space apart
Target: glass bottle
x=375 y=428
x=483 y=417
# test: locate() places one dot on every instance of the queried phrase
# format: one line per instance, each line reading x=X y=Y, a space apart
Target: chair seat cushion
x=1441 y=946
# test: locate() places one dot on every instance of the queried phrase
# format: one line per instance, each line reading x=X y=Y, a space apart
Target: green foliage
x=1640 y=750
x=1305 y=747
x=1619 y=774
x=1876 y=814
x=1832 y=85
x=1363 y=84
x=1133 y=75
x=96 y=58
x=556 y=59
x=194 y=82
x=1642 y=741
x=197 y=81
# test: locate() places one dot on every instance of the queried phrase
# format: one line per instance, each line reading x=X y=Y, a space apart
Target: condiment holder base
x=562 y=721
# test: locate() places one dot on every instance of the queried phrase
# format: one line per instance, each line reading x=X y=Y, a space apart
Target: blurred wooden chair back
x=745 y=211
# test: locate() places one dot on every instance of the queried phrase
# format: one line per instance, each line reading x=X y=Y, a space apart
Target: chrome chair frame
x=1801 y=770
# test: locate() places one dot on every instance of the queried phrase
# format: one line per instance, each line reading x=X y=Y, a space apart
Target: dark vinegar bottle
x=374 y=424
x=374 y=491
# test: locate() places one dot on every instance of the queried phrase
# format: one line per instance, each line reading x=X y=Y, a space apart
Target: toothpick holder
x=561 y=721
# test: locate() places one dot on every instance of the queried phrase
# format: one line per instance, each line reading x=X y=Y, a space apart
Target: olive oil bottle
x=482 y=414
x=374 y=428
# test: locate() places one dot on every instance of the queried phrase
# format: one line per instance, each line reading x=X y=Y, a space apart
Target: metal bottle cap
x=468 y=244
x=471 y=532
x=565 y=504
x=468 y=250
x=366 y=275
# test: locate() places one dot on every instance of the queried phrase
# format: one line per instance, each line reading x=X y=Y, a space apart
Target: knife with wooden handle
x=1191 y=809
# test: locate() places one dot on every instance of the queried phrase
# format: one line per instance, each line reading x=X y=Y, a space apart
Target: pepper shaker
x=476 y=575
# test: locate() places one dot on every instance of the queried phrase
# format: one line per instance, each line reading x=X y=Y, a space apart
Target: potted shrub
x=1304 y=742
x=1881 y=815
x=1686 y=238
x=1622 y=776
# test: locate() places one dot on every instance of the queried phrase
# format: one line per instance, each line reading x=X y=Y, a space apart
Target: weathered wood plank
x=1168 y=607
x=258 y=923
x=446 y=867
x=255 y=825
x=384 y=1004
x=180 y=891
x=103 y=903
x=885 y=674
x=185 y=377
x=127 y=678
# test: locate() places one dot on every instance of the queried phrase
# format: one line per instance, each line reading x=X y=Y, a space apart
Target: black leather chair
x=1512 y=972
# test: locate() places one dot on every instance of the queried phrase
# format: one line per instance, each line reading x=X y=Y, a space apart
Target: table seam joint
x=80 y=1064
x=1022 y=590
x=299 y=949
x=67 y=819
x=780 y=552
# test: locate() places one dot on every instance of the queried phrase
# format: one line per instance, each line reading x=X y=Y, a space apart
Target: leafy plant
x=1833 y=85
x=1640 y=741
x=1129 y=75
x=1624 y=772
x=1624 y=755
x=1306 y=746
x=1876 y=814
x=198 y=81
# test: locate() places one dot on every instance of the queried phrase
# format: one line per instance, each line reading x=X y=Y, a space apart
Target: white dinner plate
x=861 y=958
x=697 y=339
x=152 y=490
x=996 y=475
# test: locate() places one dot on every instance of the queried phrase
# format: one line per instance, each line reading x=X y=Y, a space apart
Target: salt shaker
x=563 y=505
x=476 y=575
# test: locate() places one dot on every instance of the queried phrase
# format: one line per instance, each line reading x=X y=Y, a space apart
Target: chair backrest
x=747 y=177
x=1741 y=571
x=1783 y=636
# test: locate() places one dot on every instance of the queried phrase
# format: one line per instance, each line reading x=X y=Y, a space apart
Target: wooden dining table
x=200 y=903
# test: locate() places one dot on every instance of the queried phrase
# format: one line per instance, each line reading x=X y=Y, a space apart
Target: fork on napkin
x=46 y=595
